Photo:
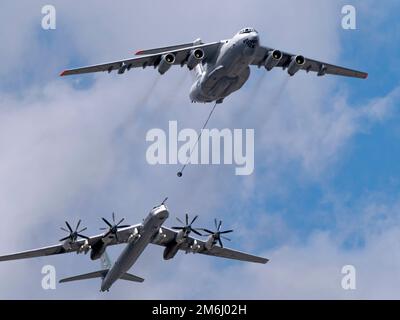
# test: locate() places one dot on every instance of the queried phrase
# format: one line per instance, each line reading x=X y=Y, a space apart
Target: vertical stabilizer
x=105 y=261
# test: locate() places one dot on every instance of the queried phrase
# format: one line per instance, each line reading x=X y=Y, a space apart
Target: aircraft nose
x=252 y=41
x=254 y=37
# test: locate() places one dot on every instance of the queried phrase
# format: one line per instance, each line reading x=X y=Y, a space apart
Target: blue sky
x=324 y=192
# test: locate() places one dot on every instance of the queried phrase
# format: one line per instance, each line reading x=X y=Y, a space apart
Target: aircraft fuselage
x=228 y=71
x=134 y=249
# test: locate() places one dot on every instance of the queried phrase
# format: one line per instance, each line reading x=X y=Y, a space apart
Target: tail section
x=106 y=266
x=105 y=261
x=130 y=277
x=85 y=276
x=101 y=274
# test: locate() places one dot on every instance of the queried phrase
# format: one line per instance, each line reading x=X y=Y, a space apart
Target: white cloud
x=69 y=154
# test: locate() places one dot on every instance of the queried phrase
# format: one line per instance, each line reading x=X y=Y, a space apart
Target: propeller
x=113 y=228
x=73 y=234
x=187 y=227
x=217 y=235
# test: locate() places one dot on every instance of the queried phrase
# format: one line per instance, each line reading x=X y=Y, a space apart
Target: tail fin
x=105 y=261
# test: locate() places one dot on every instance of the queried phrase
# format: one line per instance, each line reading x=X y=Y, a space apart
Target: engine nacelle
x=159 y=238
x=273 y=59
x=195 y=247
x=170 y=251
x=296 y=64
x=196 y=56
x=167 y=60
x=134 y=235
x=98 y=249
x=84 y=248
x=210 y=243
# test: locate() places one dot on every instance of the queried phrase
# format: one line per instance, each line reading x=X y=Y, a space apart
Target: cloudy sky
x=325 y=189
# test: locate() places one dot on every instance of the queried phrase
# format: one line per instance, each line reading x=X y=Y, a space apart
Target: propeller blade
x=63 y=239
x=83 y=236
x=208 y=231
x=225 y=238
x=220 y=223
x=77 y=226
x=216 y=223
x=113 y=217
x=120 y=221
x=187 y=219
x=63 y=229
x=105 y=220
x=82 y=230
x=220 y=242
x=178 y=228
x=116 y=237
x=69 y=227
x=194 y=219
x=196 y=232
x=227 y=231
x=103 y=228
x=179 y=220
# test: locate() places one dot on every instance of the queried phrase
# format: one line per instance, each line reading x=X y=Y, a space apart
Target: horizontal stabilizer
x=131 y=277
x=90 y=275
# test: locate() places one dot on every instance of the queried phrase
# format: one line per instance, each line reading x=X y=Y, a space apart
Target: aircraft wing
x=147 y=58
x=320 y=67
x=215 y=251
x=123 y=235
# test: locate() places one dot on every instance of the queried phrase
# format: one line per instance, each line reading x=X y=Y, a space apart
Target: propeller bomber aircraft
x=221 y=67
x=137 y=237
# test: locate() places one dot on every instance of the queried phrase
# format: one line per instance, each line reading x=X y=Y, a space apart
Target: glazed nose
x=254 y=37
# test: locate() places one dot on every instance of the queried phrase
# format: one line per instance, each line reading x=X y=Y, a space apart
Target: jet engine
x=296 y=64
x=167 y=60
x=196 y=56
x=273 y=59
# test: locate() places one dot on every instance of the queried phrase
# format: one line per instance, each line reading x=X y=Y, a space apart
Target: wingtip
x=138 y=52
x=63 y=73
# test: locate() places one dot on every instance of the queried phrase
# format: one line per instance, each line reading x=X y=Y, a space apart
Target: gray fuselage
x=134 y=249
x=227 y=71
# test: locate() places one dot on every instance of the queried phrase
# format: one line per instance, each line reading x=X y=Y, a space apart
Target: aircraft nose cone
x=254 y=37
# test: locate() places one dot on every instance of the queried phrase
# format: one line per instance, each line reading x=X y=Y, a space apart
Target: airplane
x=221 y=67
x=137 y=237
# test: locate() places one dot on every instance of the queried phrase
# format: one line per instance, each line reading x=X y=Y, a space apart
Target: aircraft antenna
x=180 y=173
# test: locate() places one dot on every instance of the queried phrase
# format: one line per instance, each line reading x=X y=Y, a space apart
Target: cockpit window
x=247 y=30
